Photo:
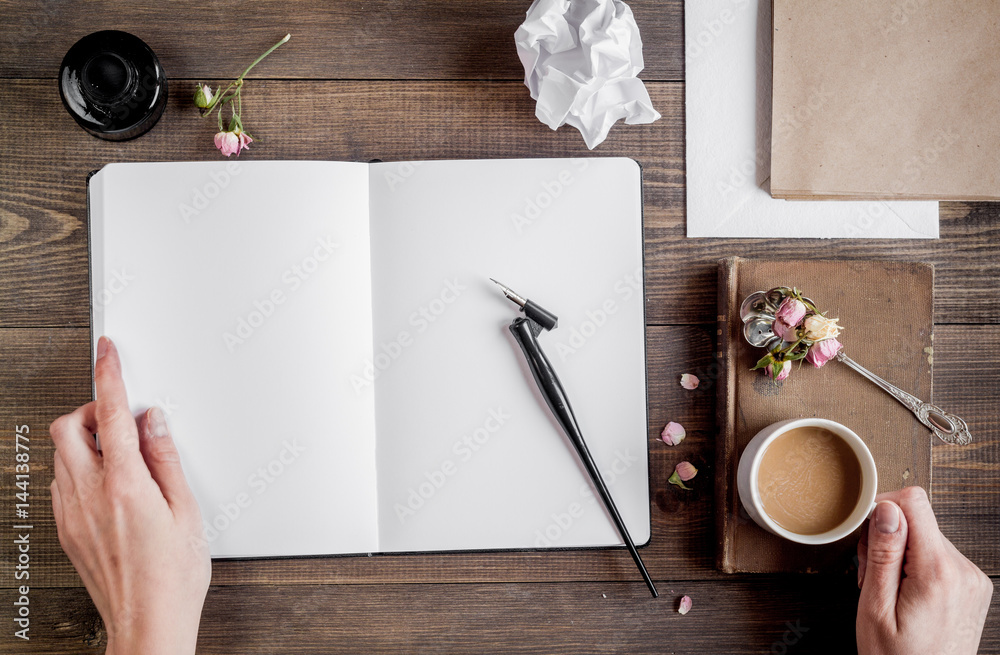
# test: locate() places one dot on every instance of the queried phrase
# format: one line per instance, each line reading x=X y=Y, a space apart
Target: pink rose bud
x=685 y=605
x=823 y=351
x=686 y=470
x=783 y=372
x=673 y=434
x=682 y=472
x=690 y=382
x=786 y=332
x=791 y=311
x=228 y=143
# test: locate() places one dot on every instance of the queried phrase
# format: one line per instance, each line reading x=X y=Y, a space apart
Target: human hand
x=939 y=606
x=128 y=519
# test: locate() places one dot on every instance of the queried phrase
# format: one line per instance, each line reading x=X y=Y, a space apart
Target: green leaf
x=764 y=361
x=676 y=479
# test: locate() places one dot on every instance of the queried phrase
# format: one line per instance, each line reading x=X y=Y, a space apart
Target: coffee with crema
x=809 y=480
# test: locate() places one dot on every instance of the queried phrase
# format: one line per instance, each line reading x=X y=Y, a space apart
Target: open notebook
x=335 y=363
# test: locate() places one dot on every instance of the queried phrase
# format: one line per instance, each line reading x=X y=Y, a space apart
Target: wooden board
x=427 y=39
x=441 y=80
x=43 y=240
x=46 y=374
x=511 y=618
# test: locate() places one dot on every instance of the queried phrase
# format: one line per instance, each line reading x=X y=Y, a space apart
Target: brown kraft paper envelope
x=886 y=309
x=893 y=99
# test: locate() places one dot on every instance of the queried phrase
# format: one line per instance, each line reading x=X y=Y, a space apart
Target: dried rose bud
x=203 y=96
x=689 y=382
x=791 y=312
x=685 y=605
x=686 y=470
x=788 y=333
x=823 y=351
x=673 y=434
x=228 y=143
x=819 y=327
x=782 y=373
x=683 y=472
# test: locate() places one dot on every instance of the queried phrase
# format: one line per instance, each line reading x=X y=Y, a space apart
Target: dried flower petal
x=685 y=605
x=673 y=434
x=686 y=470
x=689 y=382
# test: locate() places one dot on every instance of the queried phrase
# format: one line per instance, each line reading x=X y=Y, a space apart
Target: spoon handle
x=947 y=427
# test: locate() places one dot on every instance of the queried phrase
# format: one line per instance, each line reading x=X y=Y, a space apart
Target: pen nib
x=518 y=300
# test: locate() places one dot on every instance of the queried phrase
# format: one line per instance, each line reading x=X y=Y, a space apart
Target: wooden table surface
x=436 y=79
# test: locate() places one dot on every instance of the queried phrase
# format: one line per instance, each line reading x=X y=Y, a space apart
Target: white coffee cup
x=746 y=480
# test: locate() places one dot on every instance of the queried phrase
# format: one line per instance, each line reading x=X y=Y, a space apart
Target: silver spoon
x=757 y=313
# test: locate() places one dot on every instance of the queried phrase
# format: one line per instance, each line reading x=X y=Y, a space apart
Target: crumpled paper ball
x=581 y=59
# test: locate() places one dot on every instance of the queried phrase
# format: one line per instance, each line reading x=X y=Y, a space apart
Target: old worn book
x=335 y=361
x=886 y=309
x=886 y=99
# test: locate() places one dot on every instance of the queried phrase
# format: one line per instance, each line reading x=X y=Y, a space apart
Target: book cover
x=886 y=309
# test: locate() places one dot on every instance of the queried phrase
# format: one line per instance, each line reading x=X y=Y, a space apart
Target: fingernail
x=102 y=346
x=886 y=518
x=156 y=423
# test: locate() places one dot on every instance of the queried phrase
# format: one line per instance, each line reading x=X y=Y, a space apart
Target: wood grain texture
x=448 y=86
x=808 y=615
x=427 y=39
x=43 y=217
x=46 y=374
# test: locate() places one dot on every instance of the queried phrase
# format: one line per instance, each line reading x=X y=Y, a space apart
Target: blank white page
x=469 y=456
x=279 y=450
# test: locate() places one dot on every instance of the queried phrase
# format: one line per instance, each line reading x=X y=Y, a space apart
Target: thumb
x=887 y=532
x=163 y=460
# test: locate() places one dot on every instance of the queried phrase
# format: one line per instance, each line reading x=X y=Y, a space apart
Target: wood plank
x=380 y=39
x=807 y=614
x=45 y=374
x=43 y=274
x=967 y=479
